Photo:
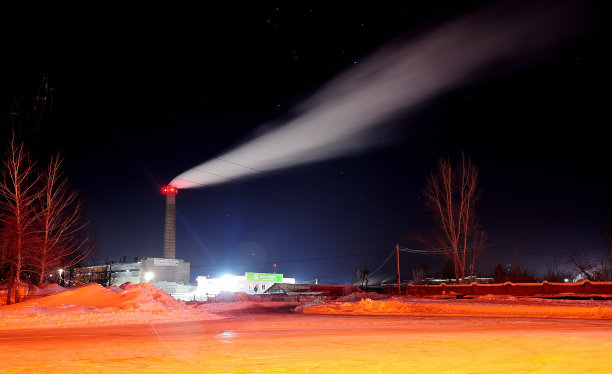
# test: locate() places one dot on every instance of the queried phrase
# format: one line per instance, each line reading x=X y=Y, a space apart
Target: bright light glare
x=148 y=276
x=227 y=283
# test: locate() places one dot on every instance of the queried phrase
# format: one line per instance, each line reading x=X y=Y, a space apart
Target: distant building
x=170 y=275
x=316 y=291
x=90 y=274
x=250 y=283
x=125 y=272
x=165 y=270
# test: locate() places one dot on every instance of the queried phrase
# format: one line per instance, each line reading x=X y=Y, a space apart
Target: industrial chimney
x=170 y=227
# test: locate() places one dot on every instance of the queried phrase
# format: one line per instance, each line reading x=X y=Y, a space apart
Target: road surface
x=277 y=340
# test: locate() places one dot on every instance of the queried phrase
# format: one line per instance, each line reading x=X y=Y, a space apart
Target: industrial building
x=314 y=291
x=165 y=270
x=170 y=275
x=250 y=283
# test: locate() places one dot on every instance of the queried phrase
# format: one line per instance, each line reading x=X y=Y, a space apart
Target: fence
x=515 y=289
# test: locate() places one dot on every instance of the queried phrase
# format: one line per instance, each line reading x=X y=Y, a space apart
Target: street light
x=148 y=276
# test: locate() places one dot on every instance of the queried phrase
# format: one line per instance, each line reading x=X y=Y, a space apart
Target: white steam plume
x=340 y=118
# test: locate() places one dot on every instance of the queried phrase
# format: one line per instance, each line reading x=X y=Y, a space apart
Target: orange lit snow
x=94 y=305
x=493 y=306
x=255 y=337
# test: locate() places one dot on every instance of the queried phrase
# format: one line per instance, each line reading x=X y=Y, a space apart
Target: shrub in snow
x=356 y=296
x=314 y=302
x=47 y=289
x=226 y=296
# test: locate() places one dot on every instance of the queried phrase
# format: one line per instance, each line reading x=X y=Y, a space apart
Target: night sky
x=142 y=95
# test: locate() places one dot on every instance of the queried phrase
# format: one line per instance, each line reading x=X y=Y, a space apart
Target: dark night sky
x=141 y=95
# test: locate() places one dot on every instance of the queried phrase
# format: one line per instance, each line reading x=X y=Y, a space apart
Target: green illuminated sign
x=264 y=277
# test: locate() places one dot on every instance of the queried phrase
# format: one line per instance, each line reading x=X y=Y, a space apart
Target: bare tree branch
x=451 y=193
x=19 y=194
x=59 y=223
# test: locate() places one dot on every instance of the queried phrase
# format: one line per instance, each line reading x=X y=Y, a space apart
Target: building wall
x=125 y=272
x=208 y=287
x=174 y=288
x=90 y=274
x=165 y=270
x=170 y=275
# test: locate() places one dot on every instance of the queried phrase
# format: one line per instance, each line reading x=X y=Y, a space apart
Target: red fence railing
x=508 y=288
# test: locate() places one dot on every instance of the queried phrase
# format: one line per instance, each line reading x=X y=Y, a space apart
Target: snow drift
x=93 y=304
x=488 y=305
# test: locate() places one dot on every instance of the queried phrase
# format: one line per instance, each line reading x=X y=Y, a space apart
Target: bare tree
x=479 y=238
x=451 y=192
x=418 y=274
x=499 y=274
x=18 y=214
x=435 y=241
x=360 y=278
x=60 y=244
x=554 y=272
x=599 y=271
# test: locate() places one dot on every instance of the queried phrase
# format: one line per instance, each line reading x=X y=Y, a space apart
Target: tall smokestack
x=170 y=227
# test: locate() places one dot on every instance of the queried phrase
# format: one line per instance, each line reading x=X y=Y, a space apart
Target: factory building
x=170 y=275
x=250 y=283
x=164 y=270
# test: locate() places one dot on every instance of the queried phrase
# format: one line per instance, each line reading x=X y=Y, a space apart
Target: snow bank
x=231 y=307
x=93 y=304
x=356 y=296
x=486 y=306
x=301 y=307
x=46 y=289
x=23 y=288
x=31 y=291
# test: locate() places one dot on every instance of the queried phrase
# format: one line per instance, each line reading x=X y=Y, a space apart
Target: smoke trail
x=342 y=117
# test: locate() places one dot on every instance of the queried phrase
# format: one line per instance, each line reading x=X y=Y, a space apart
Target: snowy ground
x=486 y=306
x=137 y=329
x=94 y=305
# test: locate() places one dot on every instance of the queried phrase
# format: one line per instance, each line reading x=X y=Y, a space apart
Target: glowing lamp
x=169 y=190
x=148 y=276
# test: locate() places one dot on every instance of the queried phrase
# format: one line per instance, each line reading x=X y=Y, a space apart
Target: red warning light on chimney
x=169 y=190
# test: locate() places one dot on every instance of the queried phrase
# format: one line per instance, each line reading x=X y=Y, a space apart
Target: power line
x=489 y=242
x=383 y=264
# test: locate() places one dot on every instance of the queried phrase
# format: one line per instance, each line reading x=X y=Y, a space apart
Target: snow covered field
x=137 y=329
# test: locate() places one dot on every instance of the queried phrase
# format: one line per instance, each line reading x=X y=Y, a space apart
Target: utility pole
x=399 y=292
x=110 y=273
